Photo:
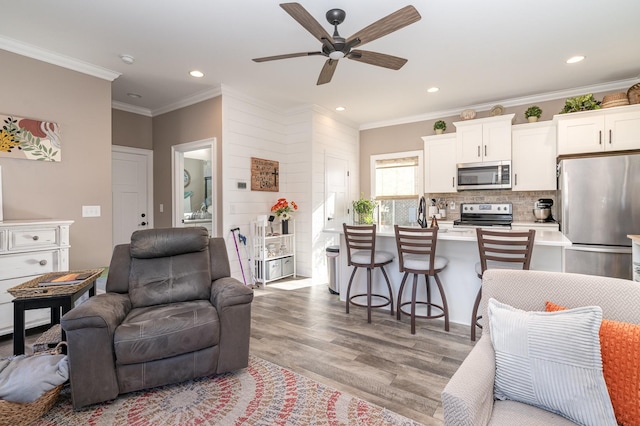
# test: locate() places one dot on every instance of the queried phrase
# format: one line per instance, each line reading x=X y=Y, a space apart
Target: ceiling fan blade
x=286 y=56
x=305 y=19
x=390 y=23
x=378 y=59
x=327 y=71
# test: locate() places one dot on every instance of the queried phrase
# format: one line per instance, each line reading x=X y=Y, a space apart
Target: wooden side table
x=60 y=299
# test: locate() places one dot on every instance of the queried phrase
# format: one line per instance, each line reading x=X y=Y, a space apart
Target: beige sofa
x=468 y=397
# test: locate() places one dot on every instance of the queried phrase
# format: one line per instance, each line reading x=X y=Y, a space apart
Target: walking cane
x=235 y=241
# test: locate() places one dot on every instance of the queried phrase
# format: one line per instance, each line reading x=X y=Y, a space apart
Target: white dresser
x=29 y=248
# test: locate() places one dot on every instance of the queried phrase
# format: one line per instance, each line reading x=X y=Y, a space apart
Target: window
x=397 y=184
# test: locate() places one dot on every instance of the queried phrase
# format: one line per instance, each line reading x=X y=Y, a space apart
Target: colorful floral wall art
x=29 y=139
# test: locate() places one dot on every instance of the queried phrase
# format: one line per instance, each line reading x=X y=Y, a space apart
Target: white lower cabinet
x=533 y=160
x=28 y=249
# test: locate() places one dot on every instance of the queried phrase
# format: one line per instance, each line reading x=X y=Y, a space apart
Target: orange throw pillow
x=620 y=348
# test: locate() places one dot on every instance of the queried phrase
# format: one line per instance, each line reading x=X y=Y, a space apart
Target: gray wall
x=81 y=105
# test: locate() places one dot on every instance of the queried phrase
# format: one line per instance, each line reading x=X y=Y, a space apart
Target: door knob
x=329 y=218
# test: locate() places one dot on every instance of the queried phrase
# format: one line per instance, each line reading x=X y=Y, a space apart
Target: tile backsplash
x=523 y=201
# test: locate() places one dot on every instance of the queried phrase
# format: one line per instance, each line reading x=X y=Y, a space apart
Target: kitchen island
x=459 y=279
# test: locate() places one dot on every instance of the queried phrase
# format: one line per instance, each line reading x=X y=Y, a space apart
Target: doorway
x=336 y=189
x=131 y=189
x=193 y=175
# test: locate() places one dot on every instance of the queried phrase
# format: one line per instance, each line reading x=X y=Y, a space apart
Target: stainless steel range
x=483 y=215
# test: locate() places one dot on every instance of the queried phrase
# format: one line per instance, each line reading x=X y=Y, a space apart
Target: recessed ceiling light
x=433 y=89
x=196 y=73
x=134 y=95
x=127 y=59
x=340 y=108
x=575 y=59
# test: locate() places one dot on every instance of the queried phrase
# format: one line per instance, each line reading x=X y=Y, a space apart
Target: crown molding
x=549 y=96
x=188 y=101
x=53 y=58
x=131 y=108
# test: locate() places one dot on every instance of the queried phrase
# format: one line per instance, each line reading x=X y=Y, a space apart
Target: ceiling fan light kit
x=336 y=47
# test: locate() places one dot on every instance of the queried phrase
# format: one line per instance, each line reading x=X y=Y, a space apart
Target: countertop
x=635 y=238
x=446 y=233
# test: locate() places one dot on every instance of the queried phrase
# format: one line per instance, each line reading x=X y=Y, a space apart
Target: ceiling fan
x=336 y=47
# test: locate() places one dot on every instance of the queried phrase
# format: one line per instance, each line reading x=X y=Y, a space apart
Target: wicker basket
x=31 y=288
x=634 y=94
x=614 y=100
x=24 y=413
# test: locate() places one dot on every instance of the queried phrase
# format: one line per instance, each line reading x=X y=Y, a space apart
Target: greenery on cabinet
x=363 y=210
x=533 y=111
x=580 y=103
x=440 y=125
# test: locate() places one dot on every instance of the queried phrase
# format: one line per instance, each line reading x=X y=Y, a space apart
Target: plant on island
x=363 y=209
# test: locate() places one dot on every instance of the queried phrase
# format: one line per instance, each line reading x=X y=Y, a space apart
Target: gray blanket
x=27 y=378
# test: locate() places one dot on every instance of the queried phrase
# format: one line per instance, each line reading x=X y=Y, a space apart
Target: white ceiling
x=477 y=52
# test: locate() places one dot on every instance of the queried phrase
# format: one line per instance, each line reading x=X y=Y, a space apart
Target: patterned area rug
x=262 y=394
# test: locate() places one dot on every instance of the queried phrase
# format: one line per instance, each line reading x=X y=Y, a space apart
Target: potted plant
x=533 y=113
x=580 y=103
x=439 y=126
x=363 y=210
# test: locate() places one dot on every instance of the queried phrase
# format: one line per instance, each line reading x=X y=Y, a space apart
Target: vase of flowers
x=283 y=209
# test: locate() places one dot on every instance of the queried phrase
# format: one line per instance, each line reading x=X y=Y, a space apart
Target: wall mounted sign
x=29 y=139
x=265 y=175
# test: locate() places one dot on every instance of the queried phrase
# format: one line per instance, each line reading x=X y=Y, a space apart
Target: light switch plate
x=90 y=211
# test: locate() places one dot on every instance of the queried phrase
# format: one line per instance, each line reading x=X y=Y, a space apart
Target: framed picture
x=265 y=175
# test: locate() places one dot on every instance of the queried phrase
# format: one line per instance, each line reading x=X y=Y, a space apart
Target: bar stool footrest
x=433 y=305
x=387 y=300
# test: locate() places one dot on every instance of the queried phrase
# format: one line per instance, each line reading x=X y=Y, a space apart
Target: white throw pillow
x=551 y=360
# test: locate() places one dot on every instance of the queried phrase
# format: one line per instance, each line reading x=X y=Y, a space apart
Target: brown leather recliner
x=171 y=313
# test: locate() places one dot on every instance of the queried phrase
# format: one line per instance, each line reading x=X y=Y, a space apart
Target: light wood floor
x=307 y=331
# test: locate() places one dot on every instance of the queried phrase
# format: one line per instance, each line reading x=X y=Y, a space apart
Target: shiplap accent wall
x=298 y=186
x=298 y=139
x=341 y=139
x=249 y=129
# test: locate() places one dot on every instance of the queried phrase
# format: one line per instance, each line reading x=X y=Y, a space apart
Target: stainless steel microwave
x=488 y=175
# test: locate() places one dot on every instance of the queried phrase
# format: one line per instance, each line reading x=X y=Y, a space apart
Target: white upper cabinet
x=440 y=163
x=484 y=139
x=611 y=129
x=533 y=160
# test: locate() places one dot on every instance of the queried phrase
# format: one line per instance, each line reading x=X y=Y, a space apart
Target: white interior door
x=131 y=188
x=337 y=188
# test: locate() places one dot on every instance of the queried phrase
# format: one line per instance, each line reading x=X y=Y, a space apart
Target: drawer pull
x=36 y=238
x=43 y=262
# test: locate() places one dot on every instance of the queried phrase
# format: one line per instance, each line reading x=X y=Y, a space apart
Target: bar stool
x=500 y=250
x=417 y=254
x=362 y=253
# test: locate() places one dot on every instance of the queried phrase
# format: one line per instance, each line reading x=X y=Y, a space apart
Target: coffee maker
x=542 y=210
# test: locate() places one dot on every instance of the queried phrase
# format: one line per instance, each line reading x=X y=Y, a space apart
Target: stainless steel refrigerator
x=599 y=205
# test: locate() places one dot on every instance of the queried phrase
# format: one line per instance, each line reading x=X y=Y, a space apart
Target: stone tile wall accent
x=523 y=202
